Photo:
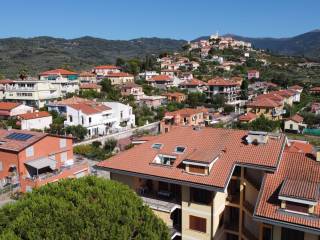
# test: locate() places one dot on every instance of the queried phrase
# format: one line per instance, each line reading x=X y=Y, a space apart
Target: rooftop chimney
x=256 y=137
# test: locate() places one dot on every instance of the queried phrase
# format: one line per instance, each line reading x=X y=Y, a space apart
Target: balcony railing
x=162 y=200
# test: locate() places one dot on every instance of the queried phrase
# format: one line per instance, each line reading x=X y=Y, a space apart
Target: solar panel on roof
x=19 y=136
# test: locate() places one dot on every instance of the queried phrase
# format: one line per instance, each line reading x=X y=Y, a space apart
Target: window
x=63 y=142
x=164 y=159
x=289 y=234
x=63 y=156
x=179 y=149
x=200 y=196
x=1 y=167
x=197 y=169
x=291 y=126
x=297 y=207
x=121 y=114
x=30 y=151
x=89 y=119
x=82 y=120
x=157 y=145
x=70 y=118
x=198 y=224
x=267 y=233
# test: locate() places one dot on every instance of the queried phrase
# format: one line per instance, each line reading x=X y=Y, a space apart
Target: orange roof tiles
x=34 y=115
x=296 y=118
x=160 y=78
x=300 y=189
x=264 y=102
x=119 y=74
x=17 y=145
x=194 y=82
x=187 y=112
x=247 y=117
x=300 y=146
x=89 y=86
x=107 y=67
x=58 y=71
x=72 y=100
x=207 y=141
x=296 y=87
x=7 y=106
x=296 y=167
x=221 y=82
x=89 y=108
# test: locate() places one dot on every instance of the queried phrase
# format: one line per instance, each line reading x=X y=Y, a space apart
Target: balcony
x=162 y=201
x=276 y=113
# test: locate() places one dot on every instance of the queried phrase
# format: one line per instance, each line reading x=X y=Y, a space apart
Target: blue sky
x=180 y=19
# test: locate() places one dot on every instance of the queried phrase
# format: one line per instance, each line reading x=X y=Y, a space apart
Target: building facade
x=224 y=184
x=32 y=159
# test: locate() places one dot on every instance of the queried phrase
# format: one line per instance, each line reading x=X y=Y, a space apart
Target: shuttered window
x=198 y=224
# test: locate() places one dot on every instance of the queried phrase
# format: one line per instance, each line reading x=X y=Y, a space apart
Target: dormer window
x=157 y=146
x=299 y=196
x=179 y=149
x=164 y=159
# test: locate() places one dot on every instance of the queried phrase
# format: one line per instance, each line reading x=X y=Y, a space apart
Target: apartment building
x=87 y=77
x=208 y=183
x=104 y=70
x=32 y=159
x=194 y=85
x=184 y=117
x=227 y=88
x=95 y=117
x=132 y=89
x=120 y=78
x=123 y=114
x=63 y=80
x=35 y=120
x=175 y=97
x=31 y=92
x=161 y=81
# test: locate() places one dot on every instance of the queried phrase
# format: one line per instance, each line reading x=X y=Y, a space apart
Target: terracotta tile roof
x=207 y=141
x=273 y=96
x=57 y=72
x=264 y=102
x=107 y=67
x=72 y=100
x=296 y=118
x=300 y=189
x=253 y=71
x=174 y=94
x=315 y=89
x=89 y=86
x=296 y=167
x=89 y=108
x=285 y=93
x=247 y=117
x=6 y=81
x=34 y=115
x=160 y=78
x=187 y=112
x=194 y=82
x=18 y=145
x=296 y=87
x=87 y=74
x=221 y=82
x=7 y=106
x=119 y=74
x=300 y=146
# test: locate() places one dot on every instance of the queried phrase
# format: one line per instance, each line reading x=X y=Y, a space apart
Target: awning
x=42 y=163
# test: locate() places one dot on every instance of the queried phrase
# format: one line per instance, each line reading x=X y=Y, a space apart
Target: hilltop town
x=220 y=139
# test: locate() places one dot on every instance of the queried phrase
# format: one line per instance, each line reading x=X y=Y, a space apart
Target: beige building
x=208 y=183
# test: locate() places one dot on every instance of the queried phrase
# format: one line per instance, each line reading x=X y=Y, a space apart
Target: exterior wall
x=37 y=123
x=121 y=80
x=97 y=126
x=189 y=208
x=106 y=71
x=21 y=109
x=122 y=113
x=309 y=236
x=267 y=112
x=165 y=216
x=7 y=160
x=132 y=182
x=295 y=126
